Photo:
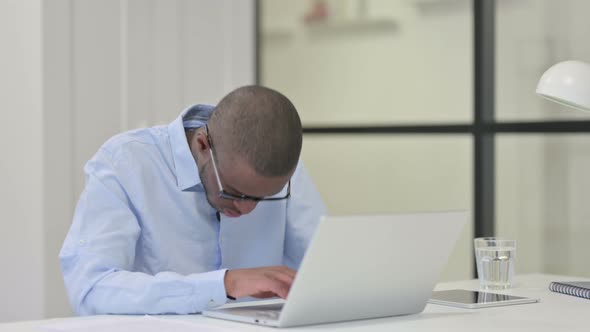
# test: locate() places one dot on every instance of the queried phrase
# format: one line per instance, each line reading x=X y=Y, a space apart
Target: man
x=178 y=218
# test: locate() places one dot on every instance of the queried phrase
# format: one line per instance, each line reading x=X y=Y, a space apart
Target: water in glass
x=495 y=266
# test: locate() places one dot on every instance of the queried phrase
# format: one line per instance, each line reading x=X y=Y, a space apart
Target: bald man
x=181 y=218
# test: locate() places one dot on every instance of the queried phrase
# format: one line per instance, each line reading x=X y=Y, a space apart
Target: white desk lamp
x=567 y=83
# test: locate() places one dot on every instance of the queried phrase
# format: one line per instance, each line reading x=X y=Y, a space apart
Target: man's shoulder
x=135 y=142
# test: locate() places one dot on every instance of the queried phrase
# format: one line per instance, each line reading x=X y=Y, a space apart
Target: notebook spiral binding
x=569 y=290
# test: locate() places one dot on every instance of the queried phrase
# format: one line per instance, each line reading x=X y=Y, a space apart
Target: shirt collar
x=187 y=172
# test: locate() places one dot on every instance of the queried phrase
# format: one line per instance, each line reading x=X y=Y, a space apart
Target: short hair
x=260 y=125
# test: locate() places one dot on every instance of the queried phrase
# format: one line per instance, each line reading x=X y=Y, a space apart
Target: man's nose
x=245 y=206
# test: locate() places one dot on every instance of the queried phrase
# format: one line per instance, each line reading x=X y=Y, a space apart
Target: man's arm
x=99 y=253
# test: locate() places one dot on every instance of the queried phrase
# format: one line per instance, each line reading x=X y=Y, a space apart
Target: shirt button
x=82 y=242
x=211 y=303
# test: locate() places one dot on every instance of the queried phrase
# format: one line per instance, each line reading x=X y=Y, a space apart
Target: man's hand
x=263 y=282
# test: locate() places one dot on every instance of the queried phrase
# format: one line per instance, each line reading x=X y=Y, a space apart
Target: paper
x=128 y=324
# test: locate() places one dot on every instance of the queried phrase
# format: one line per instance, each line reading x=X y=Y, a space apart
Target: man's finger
x=283 y=277
x=286 y=270
x=290 y=272
x=279 y=288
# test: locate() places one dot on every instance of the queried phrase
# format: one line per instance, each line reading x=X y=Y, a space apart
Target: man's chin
x=231 y=213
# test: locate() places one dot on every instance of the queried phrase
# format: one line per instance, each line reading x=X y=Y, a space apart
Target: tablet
x=475 y=299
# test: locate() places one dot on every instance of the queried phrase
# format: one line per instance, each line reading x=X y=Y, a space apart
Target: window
x=434 y=102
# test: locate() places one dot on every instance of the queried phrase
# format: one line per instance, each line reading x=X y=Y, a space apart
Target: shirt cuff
x=215 y=294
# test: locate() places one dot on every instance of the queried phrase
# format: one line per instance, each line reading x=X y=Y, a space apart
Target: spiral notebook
x=575 y=288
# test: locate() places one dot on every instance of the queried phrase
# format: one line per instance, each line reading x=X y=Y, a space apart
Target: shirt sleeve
x=98 y=256
x=304 y=210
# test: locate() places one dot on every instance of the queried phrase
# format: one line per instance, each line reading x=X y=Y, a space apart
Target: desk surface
x=555 y=312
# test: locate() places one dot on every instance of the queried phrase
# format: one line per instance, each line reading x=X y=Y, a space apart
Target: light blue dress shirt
x=144 y=239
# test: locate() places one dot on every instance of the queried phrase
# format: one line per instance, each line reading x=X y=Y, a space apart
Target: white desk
x=555 y=312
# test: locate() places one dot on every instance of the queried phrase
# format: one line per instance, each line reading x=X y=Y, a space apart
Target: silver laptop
x=360 y=267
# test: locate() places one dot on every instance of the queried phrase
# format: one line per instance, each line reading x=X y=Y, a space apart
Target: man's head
x=255 y=138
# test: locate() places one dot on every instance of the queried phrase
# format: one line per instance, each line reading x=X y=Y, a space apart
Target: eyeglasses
x=225 y=195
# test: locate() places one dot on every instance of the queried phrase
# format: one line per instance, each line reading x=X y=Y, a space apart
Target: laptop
x=360 y=267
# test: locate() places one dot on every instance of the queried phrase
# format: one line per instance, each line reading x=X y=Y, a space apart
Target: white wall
x=21 y=166
x=58 y=145
x=75 y=72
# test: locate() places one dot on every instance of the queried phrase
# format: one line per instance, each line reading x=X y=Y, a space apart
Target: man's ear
x=201 y=145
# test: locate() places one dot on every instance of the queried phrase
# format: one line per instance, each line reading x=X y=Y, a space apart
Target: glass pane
x=532 y=35
x=370 y=61
x=369 y=174
x=542 y=201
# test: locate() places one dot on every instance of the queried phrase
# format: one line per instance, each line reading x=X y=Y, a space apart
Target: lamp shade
x=567 y=83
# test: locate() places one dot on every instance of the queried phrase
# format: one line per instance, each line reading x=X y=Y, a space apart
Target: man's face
x=237 y=178
x=234 y=173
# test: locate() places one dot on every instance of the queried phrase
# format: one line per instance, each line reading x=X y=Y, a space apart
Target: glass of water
x=495 y=259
